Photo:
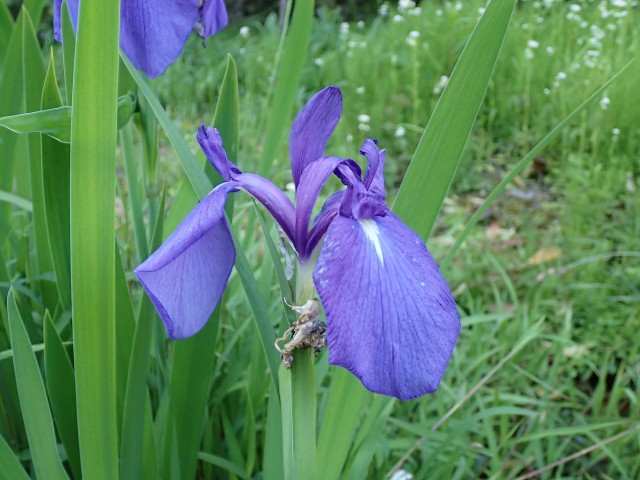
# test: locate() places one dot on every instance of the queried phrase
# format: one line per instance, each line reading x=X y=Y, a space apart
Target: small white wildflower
x=349 y=138
x=575 y=7
x=352 y=44
x=481 y=10
x=597 y=32
x=363 y=127
x=415 y=11
x=533 y=44
x=439 y=12
x=616 y=131
x=619 y=3
x=360 y=90
x=414 y=34
x=364 y=118
x=406 y=4
x=402 y=475
x=319 y=62
x=458 y=6
x=344 y=28
x=411 y=42
x=584 y=24
x=561 y=76
x=546 y=91
x=528 y=53
x=290 y=187
x=383 y=10
x=398 y=18
x=556 y=84
x=400 y=132
x=360 y=24
x=525 y=26
x=604 y=103
x=549 y=50
x=242 y=51
x=244 y=31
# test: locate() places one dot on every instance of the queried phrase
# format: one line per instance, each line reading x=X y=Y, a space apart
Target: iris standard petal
x=391 y=318
x=312 y=128
x=312 y=180
x=374 y=178
x=211 y=143
x=72 y=6
x=322 y=221
x=186 y=276
x=213 y=14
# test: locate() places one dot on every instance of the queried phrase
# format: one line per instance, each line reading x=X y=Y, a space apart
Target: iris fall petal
x=391 y=318
x=186 y=276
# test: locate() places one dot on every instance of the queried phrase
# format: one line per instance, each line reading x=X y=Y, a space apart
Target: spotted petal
x=186 y=276
x=391 y=318
x=312 y=128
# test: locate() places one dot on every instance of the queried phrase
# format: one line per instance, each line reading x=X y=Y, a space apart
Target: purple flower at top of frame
x=153 y=32
x=391 y=317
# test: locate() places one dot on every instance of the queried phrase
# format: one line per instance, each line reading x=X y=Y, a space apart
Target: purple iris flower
x=153 y=32
x=391 y=317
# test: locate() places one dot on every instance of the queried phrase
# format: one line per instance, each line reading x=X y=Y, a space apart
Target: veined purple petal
x=211 y=143
x=322 y=221
x=374 y=178
x=312 y=128
x=213 y=15
x=311 y=182
x=391 y=318
x=153 y=32
x=186 y=276
x=274 y=200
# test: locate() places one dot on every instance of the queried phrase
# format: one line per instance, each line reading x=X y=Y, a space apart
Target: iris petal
x=322 y=221
x=391 y=318
x=374 y=178
x=186 y=276
x=312 y=128
x=312 y=180
x=153 y=32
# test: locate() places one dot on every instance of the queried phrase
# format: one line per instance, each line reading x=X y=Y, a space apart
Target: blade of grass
x=93 y=150
x=16 y=201
x=33 y=399
x=526 y=160
x=436 y=158
x=61 y=386
x=6 y=27
x=287 y=80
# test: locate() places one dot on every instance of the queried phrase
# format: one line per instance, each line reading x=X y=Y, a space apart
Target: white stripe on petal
x=373 y=234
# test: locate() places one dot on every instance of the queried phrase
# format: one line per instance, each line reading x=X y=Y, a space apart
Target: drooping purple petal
x=322 y=221
x=374 y=177
x=274 y=200
x=391 y=318
x=153 y=32
x=312 y=180
x=211 y=143
x=213 y=14
x=186 y=276
x=312 y=128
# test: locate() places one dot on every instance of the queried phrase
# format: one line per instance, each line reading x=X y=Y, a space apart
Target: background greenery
x=548 y=283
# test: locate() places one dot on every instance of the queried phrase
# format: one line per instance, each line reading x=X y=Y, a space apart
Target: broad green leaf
x=340 y=422
x=298 y=401
x=55 y=183
x=34 y=7
x=11 y=103
x=436 y=158
x=34 y=73
x=11 y=467
x=526 y=160
x=56 y=122
x=61 y=386
x=287 y=80
x=33 y=399
x=93 y=168
x=6 y=27
x=194 y=357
